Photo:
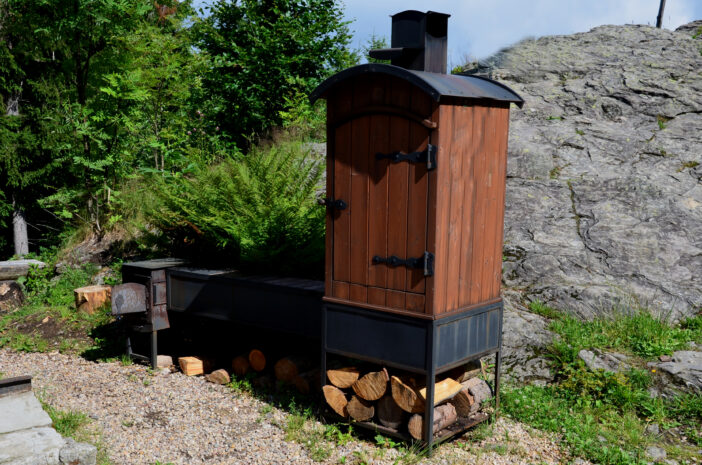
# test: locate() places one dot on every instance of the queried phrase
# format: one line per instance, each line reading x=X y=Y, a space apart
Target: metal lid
x=435 y=84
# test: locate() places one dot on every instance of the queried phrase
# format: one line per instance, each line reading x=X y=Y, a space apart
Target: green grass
x=602 y=416
x=77 y=425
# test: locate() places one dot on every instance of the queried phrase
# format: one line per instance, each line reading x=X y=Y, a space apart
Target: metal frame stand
x=422 y=346
x=152 y=359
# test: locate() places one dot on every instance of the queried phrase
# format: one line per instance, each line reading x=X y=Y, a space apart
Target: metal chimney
x=418 y=41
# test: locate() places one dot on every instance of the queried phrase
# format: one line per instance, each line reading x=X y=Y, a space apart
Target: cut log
x=257 y=360
x=193 y=366
x=336 y=399
x=240 y=365
x=443 y=390
x=405 y=396
x=287 y=368
x=444 y=415
x=464 y=403
x=90 y=298
x=218 y=377
x=479 y=389
x=343 y=377
x=389 y=413
x=372 y=386
x=466 y=372
x=359 y=409
x=307 y=382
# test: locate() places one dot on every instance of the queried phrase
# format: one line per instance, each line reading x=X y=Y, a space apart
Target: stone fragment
x=77 y=453
x=11 y=296
x=13 y=269
x=218 y=377
x=656 y=453
x=682 y=373
x=164 y=361
x=31 y=447
x=598 y=360
x=653 y=429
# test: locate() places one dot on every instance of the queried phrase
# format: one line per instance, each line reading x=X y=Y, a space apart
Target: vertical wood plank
x=502 y=135
x=455 y=221
x=329 y=234
x=398 y=176
x=432 y=188
x=418 y=194
x=376 y=296
x=358 y=293
x=395 y=299
x=340 y=290
x=472 y=150
x=441 y=206
x=415 y=302
x=492 y=186
x=479 y=211
x=342 y=190
x=358 y=205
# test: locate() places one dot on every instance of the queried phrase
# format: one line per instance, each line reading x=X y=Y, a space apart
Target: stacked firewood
x=397 y=401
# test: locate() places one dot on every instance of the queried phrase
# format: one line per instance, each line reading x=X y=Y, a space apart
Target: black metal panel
x=434 y=84
x=476 y=332
x=284 y=304
x=377 y=336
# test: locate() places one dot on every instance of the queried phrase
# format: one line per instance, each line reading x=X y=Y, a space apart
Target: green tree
x=264 y=53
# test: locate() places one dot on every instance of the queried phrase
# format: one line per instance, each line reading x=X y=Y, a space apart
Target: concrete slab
x=37 y=446
x=13 y=269
x=21 y=411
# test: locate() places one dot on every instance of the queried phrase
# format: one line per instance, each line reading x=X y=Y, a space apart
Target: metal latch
x=427 y=156
x=337 y=204
x=426 y=262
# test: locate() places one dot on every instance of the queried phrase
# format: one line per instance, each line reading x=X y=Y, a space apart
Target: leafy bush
x=257 y=211
x=264 y=56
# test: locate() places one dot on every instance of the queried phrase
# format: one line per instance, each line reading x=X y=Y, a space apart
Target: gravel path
x=172 y=418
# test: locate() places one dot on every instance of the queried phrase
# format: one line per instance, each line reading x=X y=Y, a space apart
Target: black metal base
x=427 y=347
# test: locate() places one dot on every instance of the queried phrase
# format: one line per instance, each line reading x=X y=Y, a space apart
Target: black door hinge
x=425 y=262
x=427 y=156
x=337 y=204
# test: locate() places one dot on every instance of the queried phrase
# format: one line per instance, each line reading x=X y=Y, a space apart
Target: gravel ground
x=169 y=417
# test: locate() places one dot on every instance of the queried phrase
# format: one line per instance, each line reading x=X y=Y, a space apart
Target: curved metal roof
x=435 y=84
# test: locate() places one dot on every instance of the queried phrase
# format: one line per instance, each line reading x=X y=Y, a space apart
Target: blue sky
x=479 y=28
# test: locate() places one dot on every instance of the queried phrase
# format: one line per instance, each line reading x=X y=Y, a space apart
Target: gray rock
x=35 y=446
x=653 y=429
x=692 y=29
x=13 y=269
x=604 y=191
x=11 y=296
x=682 y=373
x=164 y=361
x=525 y=335
x=598 y=360
x=656 y=453
x=77 y=453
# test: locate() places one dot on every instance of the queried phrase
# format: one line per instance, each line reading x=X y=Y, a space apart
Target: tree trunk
x=19 y=226
x=659 y=19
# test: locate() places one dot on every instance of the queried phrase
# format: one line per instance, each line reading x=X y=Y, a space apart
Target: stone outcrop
x=13 y=269
x=682 y=373
x=604 y=191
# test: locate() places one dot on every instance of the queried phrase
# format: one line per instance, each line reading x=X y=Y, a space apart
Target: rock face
x=598 y=360
x=604 y=192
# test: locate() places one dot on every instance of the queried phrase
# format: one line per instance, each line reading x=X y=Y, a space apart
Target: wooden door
x=386 y=212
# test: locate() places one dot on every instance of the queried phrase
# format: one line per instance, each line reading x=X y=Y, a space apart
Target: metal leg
x=323 y=365
x=129 y=346
x=154 y=350
x=498 y=362
x=431 y=379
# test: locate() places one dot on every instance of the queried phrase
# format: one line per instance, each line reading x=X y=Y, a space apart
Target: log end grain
x=343 y=377
x=257 y=360
x=371 y=386
x=336 y=399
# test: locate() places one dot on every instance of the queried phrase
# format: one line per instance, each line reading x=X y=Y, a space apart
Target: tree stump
x=11 y=296
x=91 y=298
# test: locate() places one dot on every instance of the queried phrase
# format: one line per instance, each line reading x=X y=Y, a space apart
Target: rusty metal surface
x=128 y=298
x=158 y=317
x=436 y=85
x=158 y=293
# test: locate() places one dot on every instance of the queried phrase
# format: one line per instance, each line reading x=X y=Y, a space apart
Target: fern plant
x=258 y=210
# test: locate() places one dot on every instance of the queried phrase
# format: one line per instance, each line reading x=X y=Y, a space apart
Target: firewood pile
x=397 y=401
